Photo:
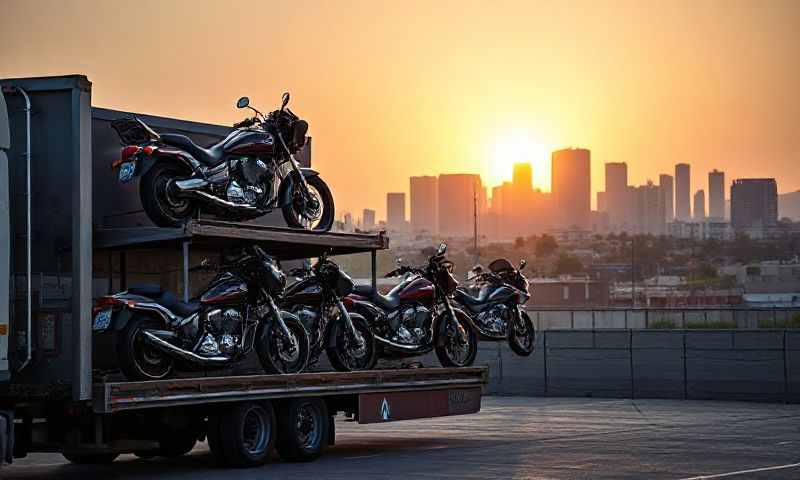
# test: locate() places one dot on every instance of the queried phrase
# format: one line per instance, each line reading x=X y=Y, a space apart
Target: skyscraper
x=457 y=194
x=754 y=202
x=572 y=187
x=683 y=181
x=699 y=205
x=649 y=210
x=368 y=219
x=716 y=194
x=424 y=193
x=667 y=196
x=396 y=211
x=616 y=193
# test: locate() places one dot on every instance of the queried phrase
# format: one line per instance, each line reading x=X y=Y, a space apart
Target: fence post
x=630 y=355
x=683 y=318
x=785 y=371
x=685 y=379
x=544 y=347
x=572 y=319
x=626 y=319
x=646 y=318
x=593 y=325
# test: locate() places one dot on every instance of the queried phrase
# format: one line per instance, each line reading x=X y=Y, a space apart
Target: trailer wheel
x=303 y=429
x=244 y=435
x=91 y=458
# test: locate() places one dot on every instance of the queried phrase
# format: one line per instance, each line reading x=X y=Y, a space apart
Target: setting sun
x=518 y=146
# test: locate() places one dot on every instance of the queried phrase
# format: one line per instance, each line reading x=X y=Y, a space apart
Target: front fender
x=285 y=189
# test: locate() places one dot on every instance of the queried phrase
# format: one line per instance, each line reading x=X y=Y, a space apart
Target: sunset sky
x=393 y=89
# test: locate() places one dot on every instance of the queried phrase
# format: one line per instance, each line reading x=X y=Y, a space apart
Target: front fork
x=278 y=319
x=358 y=339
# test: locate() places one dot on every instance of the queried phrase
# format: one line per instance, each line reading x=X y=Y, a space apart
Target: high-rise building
x=650 y=217
x=616 y=194
x=683 y=182
x=716 y=194
x=424 y=192
x=368 y=219
x=457 y=194
x=754 y=203
x=699 y=205
x=667 y=196
x=572 y=187
x=602 y=202
x=396 y=211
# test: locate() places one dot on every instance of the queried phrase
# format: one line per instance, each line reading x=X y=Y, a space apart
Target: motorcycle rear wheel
x=460 y=345
x=137 y=360
x=294 y=213
x=270 y=349
x=154 y=190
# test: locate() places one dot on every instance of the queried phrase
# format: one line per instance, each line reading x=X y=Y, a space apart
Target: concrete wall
x=759 y=365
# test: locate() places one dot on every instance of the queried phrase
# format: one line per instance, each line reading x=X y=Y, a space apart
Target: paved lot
x=517 y=437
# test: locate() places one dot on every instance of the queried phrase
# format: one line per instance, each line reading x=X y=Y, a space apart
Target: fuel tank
x=416 y=290
x=225 y=288
x=305 y=292
x=249 y=142
x=502 y=294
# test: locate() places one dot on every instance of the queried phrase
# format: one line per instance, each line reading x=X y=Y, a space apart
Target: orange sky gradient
x=393 y=89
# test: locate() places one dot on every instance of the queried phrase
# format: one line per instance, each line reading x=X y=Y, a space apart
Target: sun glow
x=519 y=146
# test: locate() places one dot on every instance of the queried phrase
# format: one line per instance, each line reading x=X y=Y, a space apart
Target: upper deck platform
x=283 y=243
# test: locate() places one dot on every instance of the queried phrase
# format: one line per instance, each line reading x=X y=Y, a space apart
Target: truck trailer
x=71 y=233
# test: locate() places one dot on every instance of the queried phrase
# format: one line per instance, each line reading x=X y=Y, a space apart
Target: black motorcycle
x=316 y=299
x=416 y=316
x=247 y=174
x=151 y=330
x=496 y=312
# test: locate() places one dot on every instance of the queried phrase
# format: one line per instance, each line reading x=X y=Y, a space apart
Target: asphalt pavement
x=515 y=437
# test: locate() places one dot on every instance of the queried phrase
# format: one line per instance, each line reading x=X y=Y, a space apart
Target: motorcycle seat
x=387 y=302
x=208 y=156
x=166 y=299
x=476 y=304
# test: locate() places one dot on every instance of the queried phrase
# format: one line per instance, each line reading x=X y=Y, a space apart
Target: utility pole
x=633 y=272
x=475 y=222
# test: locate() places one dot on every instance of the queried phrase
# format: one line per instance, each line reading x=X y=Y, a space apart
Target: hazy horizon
x=393 y=89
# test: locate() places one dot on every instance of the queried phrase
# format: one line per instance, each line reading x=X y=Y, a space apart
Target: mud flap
x=6 y=437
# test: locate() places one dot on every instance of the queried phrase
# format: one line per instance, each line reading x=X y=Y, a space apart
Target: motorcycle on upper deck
x=496 y=313
x=316 y=299
x=417 y=316
x=247 y=174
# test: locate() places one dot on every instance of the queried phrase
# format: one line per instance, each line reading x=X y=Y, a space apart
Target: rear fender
x=178 y=157
x=285 y=189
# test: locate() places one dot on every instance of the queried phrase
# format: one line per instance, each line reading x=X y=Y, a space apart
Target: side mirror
x=398 y=260
x=243 y=102
x=442 y=249
x=522 y=264
x=284 y=100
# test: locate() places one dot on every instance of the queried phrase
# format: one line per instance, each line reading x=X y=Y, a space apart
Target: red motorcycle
x=247 y=174
x=416 y=316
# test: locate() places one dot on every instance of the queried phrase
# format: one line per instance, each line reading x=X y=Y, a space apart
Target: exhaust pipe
x=182 y=354
x=398 y=346
x=193 y=188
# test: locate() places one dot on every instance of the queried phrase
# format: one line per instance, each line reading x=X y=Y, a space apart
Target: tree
x=567 y=264
x=545 y=246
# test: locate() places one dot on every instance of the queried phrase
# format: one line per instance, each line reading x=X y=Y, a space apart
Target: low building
x=770 y=277
x=568 y=291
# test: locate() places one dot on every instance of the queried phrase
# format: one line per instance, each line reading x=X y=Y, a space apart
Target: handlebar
x=247 y=122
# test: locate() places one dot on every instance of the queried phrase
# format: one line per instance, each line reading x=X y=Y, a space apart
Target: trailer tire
x=303 y=429
x=91 y=458
x=244 y=435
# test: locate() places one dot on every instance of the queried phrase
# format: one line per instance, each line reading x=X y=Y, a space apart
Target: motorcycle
x=496 y=314
x=416 y=316
x=316 y=299
x=247 y=174
x=236 y=312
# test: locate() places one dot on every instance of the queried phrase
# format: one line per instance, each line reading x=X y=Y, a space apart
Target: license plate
x=102 y=320
x=126 y=171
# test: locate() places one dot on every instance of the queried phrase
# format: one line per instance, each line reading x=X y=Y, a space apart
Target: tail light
x=106 y=302
x=125 y=154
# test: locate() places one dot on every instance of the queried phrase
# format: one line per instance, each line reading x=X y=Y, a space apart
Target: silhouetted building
x=572 y=187
x=396 y=211
x=667 y=196
x=683 y=181
x=602 y=203
x=457 y=194
x=650 y=210
x=699 y=205
x=424 y=193
x=716 y=194
x=368 y=219
x=617 y=203
x=754 y=203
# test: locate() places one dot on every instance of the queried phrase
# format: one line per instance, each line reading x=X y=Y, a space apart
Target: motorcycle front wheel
x=158 y=200
x=313 y=213
x=345 y=355
x=522 y=336
x=457 y=346
x=279 y=354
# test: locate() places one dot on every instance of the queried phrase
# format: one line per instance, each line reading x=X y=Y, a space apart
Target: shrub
x=713 y=325
x=662 y=323
x=793 y=322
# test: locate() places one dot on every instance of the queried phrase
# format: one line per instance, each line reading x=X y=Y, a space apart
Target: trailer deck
x=121 y=396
